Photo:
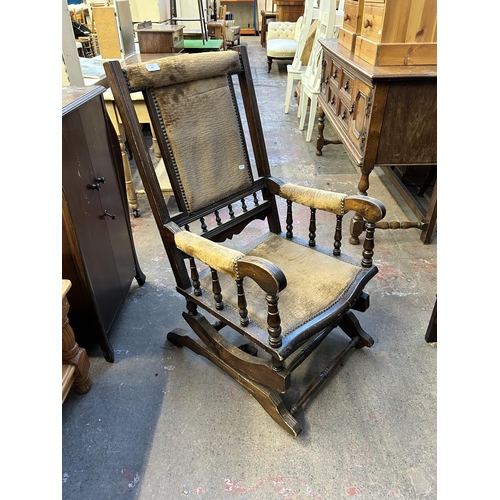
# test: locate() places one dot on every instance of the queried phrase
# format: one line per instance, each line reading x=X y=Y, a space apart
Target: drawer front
x=351 y=16
x=346 y=85
x=373 y=21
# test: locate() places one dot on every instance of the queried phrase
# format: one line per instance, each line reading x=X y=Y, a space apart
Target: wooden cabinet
x=391 y=32
x=384 y=116
x=115 y=31
x=244 y=14
x=163 y=38
x=289 y=10
x=98 y=252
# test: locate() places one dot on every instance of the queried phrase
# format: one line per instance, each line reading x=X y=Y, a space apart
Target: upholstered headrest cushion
x=181 y=69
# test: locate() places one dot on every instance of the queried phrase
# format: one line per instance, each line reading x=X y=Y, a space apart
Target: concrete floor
x=163 y=423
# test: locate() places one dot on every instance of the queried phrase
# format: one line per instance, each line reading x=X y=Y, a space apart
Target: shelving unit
x=245 y=15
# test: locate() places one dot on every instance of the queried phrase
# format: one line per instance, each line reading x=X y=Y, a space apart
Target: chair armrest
x=371 y=209
x=231 y=262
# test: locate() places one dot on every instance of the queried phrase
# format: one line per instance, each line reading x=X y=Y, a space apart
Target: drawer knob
x=332 y=101
x=368 y=23
x=346 y=85
x=98 y=182
x=342 y=116
x=351 y=109
x=335 y=72
x=347 y=17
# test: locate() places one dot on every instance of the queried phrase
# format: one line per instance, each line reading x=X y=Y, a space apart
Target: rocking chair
x=282 y=294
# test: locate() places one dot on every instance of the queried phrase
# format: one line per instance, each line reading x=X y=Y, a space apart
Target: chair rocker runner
x=281 y=293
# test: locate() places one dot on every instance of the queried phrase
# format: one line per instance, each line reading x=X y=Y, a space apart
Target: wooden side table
x=385 y=116
x=75 y=362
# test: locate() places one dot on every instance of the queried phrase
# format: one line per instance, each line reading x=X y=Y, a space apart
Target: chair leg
x=304 y=100
x=288 y=93
x=269 y=63
x=312 y=116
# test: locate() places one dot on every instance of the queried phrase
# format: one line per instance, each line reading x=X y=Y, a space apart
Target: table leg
x=74 y=355
x=120 y=132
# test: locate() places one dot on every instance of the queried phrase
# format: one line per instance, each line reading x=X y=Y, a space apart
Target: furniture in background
x=288 y=10
x=386 y=33
x=301 y=57
x=75 y=362
x=282 y=293
x=217 y=28
x=233 y=33
x=283 y=40
x=155 y=11
x=190 y=13
x=160 y=38
x=98 y=251
x=114 y=28
x=385 y=116
x=244 y=14
x=431 y=333
x=266 y=17
x=310 y=78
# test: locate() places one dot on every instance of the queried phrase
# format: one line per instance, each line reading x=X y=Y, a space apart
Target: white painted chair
x=329 y=22
x=297 y=67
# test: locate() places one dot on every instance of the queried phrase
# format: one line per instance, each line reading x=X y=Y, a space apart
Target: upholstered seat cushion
x=306 y=295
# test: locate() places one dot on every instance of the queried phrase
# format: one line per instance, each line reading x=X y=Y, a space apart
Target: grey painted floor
x=163 y=423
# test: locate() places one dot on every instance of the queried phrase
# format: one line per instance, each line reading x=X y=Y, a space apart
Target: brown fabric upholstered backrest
x=199 y=123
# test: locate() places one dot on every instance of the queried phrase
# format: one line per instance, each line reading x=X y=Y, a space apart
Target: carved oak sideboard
x=385 y=116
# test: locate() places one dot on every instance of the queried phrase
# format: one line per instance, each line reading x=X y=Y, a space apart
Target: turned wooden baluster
x=231 y=212
x=255 y=199
x=242 y=303
x=217 y=218
x=203 y=225
x=195 y=278
x=73 y=354
x=337 y=239
x=312 y=228
x=216 y=289
x=368 y=245
x=289 y=219
x=273 y=321
x=243 y=205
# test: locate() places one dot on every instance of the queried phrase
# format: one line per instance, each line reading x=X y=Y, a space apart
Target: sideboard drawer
x=373 y=21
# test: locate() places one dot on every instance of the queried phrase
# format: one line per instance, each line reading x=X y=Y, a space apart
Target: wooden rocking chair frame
x=267 y=375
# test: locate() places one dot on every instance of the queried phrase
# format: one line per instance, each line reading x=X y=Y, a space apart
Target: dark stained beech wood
x=267 y=374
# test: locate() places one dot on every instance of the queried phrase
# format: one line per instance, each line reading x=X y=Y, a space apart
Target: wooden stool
x=75 y=362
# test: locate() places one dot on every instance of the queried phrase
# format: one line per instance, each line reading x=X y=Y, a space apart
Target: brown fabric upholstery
x=210 y=159
x=188 y=97
x=314 y=198
x=307 y=294
x=181 y=69
x=216 y=256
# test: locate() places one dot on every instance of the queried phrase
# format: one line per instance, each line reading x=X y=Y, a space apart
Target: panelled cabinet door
x=101 y=149
x=86 y=210
x=360 y=114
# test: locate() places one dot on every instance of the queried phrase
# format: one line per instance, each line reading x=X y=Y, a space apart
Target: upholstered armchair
x=282 y=40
